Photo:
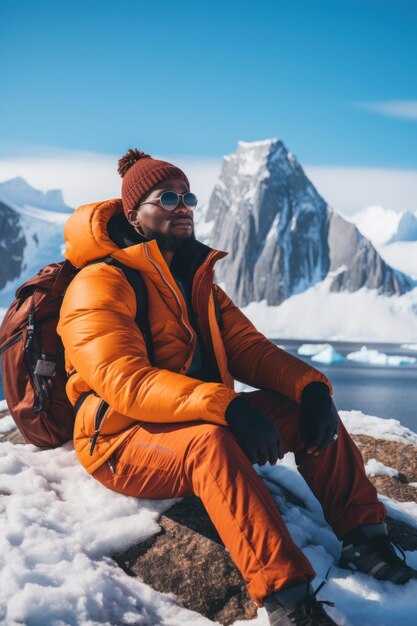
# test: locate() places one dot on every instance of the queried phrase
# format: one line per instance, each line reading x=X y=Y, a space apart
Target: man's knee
x=209 y=435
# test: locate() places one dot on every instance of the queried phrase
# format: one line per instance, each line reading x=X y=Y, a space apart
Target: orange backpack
x=32 y=354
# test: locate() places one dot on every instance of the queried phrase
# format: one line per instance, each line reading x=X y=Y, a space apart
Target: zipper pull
x=94 y=441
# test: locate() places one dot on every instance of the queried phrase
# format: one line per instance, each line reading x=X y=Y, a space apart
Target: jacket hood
x=85 y=232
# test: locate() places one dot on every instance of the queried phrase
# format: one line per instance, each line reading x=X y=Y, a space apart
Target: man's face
x=169 y=228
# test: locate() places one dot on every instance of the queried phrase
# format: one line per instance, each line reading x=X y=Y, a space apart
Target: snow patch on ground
x=357 y=423
x=6 y=424
x=376 y=468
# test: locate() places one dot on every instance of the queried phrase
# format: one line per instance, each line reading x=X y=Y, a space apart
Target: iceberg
x=328 y=355
x=374 y=357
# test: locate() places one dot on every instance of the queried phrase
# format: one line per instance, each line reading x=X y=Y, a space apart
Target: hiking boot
x=375 y=555
x=307 y=612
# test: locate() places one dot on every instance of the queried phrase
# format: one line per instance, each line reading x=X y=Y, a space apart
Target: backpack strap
x=137 y=283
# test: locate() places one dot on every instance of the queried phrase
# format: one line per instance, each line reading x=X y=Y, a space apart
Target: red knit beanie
x=140 y=172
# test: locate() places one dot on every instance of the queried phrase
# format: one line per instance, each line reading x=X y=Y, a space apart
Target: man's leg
x=170 y=460
x=336 y=476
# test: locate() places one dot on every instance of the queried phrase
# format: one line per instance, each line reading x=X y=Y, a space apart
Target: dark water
x=384 y=391
x=388 y=392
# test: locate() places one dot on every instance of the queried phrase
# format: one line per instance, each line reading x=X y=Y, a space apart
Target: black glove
x=257 y=435
x=318 y=416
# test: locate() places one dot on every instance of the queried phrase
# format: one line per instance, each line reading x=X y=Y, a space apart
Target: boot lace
x=311 y=611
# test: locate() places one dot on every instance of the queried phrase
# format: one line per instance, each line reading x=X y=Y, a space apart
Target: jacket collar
x=186 y=260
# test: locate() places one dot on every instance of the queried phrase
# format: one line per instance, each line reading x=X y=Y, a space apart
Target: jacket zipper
x=100 y=415
x=191 y=332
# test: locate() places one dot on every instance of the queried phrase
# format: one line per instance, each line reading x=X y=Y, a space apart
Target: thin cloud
x=349 y=189
x=402 y=109
x=90 y=177
x=86 y=177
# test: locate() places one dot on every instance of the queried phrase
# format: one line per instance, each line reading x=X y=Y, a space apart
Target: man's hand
x=256 y=433
x=318 y=417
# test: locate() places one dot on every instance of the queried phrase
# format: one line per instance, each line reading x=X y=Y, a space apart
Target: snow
x=357 y=423
x=58 y=527
x=322 y=315
x=374 y=357
x=6 y=423
x=392 y=233
x=409 y=346
x=3 y=405
x=44 y=234
x=376 y=468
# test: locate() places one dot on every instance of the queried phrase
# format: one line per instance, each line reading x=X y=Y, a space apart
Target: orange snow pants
x=169 y=460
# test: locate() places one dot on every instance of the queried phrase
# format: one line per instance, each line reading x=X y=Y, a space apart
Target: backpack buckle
x=45 y=367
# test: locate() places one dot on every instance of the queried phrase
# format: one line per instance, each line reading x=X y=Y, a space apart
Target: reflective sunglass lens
x=169 y=200
x=190 y=200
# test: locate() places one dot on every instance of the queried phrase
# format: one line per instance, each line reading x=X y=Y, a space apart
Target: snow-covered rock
x=376 y=468
x=354 y=262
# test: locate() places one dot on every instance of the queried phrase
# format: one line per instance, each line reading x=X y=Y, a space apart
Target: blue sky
x=336 y=81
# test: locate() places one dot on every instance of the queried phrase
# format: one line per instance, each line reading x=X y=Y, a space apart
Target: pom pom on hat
x=128 y=159
x=140 y=173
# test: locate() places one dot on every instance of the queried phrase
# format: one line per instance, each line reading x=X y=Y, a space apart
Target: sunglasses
x=169 y=200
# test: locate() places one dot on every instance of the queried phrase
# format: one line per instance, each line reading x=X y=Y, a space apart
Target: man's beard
x=170 y=242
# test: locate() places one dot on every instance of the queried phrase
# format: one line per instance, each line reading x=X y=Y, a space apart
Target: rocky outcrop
x=12 y=244
x=356 y=263
x=281 y=236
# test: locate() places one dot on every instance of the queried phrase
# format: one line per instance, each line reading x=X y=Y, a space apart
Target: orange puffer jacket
x=105 y=350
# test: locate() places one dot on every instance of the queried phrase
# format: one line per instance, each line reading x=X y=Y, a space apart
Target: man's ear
x=132 y=217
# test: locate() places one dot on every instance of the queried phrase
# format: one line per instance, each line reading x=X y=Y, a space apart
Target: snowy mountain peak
x=17 y=191
x=256 y=158
x=269 y=215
